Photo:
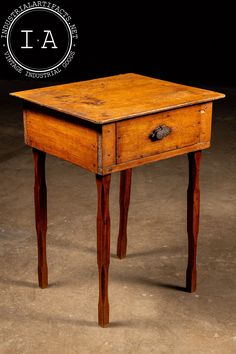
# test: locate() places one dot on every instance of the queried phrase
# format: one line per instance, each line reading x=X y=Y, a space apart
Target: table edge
x=120 y=118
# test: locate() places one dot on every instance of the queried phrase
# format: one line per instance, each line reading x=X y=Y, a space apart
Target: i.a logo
x=39 y=39
x=49 y=34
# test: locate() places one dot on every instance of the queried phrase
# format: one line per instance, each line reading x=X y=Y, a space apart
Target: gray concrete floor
x=149 y=312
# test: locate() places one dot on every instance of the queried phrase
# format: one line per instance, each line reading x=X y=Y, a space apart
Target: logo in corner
x=39 y=39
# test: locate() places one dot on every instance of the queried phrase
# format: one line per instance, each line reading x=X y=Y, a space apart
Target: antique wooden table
x=114 y=124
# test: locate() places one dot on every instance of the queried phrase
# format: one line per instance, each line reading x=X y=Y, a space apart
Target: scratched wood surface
x=117 y=97
x=65 y=139
x=133 y=140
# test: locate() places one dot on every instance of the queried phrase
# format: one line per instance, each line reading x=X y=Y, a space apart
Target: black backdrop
x=188 y=43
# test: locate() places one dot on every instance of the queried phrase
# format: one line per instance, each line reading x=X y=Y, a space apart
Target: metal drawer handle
x=160 y=132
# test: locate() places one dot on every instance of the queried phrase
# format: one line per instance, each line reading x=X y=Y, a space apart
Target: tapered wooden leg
x=125 y=189
x=103 y=246
x=193 y=210
x=40 y=200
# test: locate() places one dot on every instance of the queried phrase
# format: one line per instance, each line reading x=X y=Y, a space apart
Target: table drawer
x=179 y=128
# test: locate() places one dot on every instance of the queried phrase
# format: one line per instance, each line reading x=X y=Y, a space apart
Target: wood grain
x=133 y=140
x=154 y=158
x=103 y=246
x=40 y=200
x=108 y=144
x=117 y=97
x=193 y=210
x=125 y=190
x=206 y=121
x=69 y=140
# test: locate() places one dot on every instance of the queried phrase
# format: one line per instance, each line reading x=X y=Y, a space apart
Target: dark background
x=187 y=43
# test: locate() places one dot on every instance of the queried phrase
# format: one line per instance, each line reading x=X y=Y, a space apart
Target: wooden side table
x=114 y=124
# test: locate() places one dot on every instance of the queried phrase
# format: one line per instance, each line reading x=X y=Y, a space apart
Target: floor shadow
x=148 y=282
x=26 y=284
x=118 y=324
x=171 y=286
x=141 y=254
x=57 y=318
x=16 y=282
x=129 y=255
x=73 y=246
x=128 y=279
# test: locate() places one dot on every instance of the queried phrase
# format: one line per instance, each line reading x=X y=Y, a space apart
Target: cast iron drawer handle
x=160 y=132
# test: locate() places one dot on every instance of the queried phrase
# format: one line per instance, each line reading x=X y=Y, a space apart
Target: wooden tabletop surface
x=116 y=97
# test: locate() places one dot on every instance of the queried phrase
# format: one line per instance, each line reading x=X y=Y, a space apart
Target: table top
x=116 y=97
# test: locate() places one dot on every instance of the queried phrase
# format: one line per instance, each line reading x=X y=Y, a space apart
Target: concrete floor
x=149 y=312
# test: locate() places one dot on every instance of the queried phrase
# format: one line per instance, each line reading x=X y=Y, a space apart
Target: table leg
x=103 y=246
x=193 y=210
x=125 y=189
x=40 y=200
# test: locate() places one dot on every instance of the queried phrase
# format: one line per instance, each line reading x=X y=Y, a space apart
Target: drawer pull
x=160 y=132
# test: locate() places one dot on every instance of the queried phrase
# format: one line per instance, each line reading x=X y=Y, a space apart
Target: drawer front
x=182 y=127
